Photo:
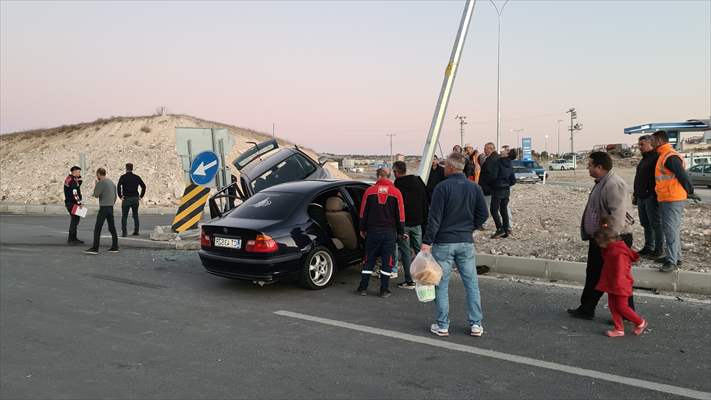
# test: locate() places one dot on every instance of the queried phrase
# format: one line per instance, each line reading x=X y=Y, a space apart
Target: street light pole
x=498 y=72
x=546 y=146
x=557 y=150
x=391 y=147
x=461 y=119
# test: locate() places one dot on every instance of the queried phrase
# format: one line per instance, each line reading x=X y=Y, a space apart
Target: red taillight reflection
x=205 y=239
x=262 y=244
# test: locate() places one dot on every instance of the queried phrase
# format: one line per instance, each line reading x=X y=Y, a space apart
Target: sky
x=338 y=76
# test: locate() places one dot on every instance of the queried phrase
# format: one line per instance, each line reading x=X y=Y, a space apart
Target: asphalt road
x=152 y=324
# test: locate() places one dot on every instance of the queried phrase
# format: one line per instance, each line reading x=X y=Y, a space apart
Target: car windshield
x=268 y=205
x=521 y=170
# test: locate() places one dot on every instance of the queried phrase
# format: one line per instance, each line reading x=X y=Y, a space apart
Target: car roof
x=309 y=186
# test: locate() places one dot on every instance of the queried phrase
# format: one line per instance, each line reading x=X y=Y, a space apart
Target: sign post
x=526 y=146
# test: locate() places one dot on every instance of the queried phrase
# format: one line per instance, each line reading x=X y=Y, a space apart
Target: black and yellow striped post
x=191 y=206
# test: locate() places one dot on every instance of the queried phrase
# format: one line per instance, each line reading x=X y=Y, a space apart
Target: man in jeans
x=128 y=185
x=105 y=191
x=457 y=209
x=382 y=216
x=673 y=187
x=646 y=200
x=414 y=194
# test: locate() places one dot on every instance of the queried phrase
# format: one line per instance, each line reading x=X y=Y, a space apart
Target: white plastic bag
x=425 y=270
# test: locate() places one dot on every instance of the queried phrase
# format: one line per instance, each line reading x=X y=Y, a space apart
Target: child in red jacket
x=616 y=280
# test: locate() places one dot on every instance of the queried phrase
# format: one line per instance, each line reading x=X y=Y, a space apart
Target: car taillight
x=205 y=239
x=262 y=244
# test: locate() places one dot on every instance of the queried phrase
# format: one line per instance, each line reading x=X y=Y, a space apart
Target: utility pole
x=498 y=73
x=573 y=127
x=557 y=150
x=461 y=119
x=273 y=125
x=445 y=92
x=392 y=161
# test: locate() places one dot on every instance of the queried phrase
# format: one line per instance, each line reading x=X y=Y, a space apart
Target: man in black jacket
x=489 y=172
x=127 y=187
x=436 y=176
x=414 y=195
x=72 y=197
x=645 y=198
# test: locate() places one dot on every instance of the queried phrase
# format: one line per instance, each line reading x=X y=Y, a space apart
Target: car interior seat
x=341 y=223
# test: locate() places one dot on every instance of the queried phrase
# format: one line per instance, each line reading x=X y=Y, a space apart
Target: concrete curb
x=647 y=278
x=58 y=209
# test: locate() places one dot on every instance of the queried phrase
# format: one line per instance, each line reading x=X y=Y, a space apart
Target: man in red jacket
x=382 y=219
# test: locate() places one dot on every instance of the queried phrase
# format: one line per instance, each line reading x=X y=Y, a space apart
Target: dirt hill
x=33 y=164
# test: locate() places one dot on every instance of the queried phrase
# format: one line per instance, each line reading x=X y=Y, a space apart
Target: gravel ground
x=546 y=220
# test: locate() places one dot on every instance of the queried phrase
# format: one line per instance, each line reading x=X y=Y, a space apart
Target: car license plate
x=228 y=243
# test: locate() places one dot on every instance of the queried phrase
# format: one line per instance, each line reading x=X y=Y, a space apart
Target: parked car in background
x=561 y=164
x=525 y=175
x=532 y=165
x=700 y=175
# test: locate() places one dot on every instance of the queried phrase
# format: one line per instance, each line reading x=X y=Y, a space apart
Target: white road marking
x=587 y=373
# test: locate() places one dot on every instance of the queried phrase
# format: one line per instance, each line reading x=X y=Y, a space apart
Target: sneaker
x=441 y=332
x=406 y=285
x=641 y=327
x=667 y=267
x=578 y=313
x=476 y=330
x=662 y=260
x=655 y=254
x=114 y=250
x=92 y=251
x=614 y=333
x=361 y=292
x=385 y=293
x=498 y=234
x=134 y=234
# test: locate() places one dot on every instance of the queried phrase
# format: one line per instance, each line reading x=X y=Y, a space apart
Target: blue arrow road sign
x=204 y=168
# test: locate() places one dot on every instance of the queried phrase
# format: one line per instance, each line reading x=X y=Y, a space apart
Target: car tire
x=319 y=269
x=562 y=168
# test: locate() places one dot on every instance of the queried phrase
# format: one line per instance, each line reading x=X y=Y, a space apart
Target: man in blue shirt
x=456 y=211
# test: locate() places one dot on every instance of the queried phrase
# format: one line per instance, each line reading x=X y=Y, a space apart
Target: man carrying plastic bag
x=457 y=210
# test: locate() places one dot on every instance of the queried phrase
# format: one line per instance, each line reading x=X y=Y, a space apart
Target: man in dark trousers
x=489 y=172
x=414 y=195
x=72 y=197
x=607 y=202
x=382 y=219
x=645 y=198
x=128 y=185
x=105 y=191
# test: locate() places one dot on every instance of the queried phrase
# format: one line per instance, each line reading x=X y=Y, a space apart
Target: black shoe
x=134 y=234
x=667 y=267
x=385 y=293
x=77 y=241
x=361 y=292
x=406 y=285
x=654 y=254
x=91 y=251
x=661 y=260
x=578 y=313
x=498 y=234
x=678 y=263
x=505 y=235
x=645 y=251
x=482 y=269
x=114 y=250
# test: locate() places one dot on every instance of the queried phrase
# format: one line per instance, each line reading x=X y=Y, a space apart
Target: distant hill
x=33 y=164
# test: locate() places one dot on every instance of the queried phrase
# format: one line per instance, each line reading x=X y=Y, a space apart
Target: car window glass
x=707 y=168
x=291 y=169
x=696 y=168
x=268 y=205
x=356 y=193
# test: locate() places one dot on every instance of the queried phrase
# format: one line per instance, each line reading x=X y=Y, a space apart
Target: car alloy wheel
x=318 y=269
